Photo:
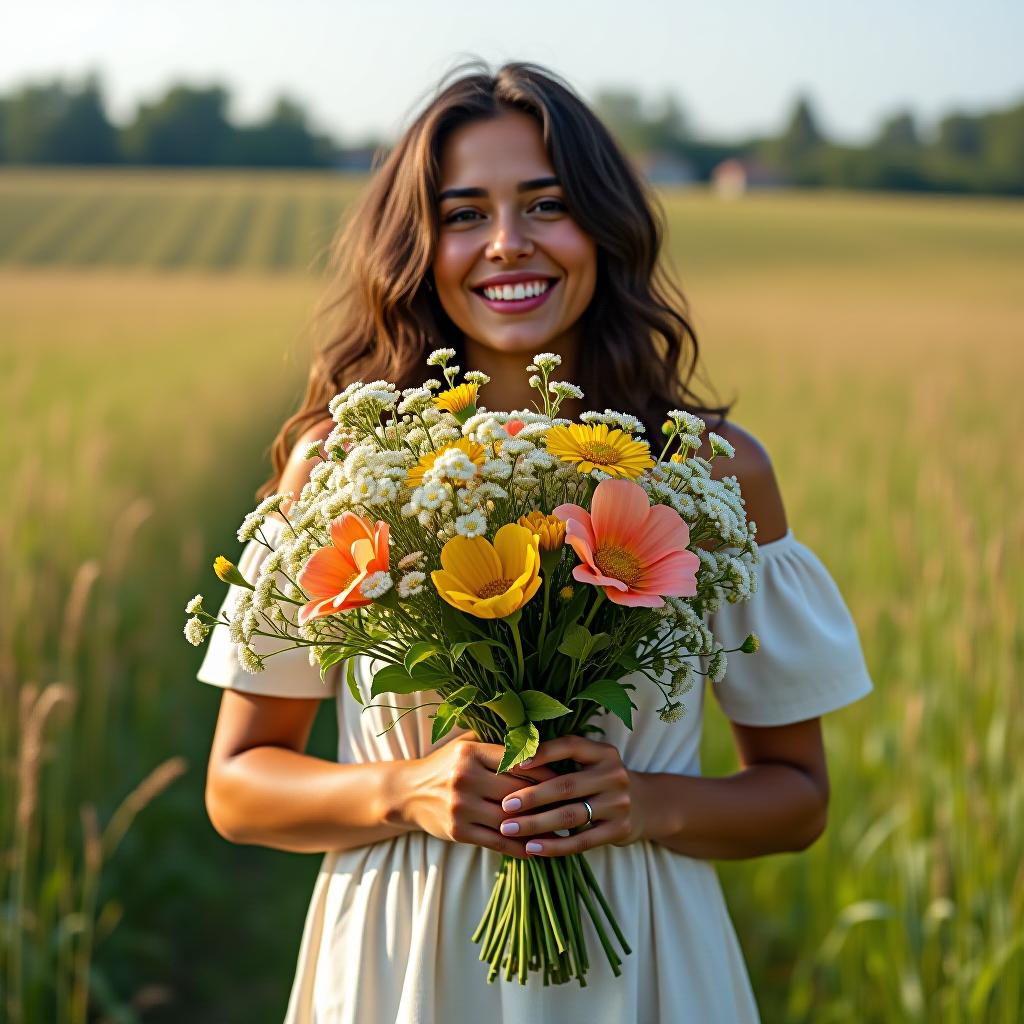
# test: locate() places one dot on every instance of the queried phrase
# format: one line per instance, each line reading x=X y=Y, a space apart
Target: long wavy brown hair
x=379 y=315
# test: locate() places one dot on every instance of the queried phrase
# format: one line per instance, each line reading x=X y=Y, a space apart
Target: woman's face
x=512 y=269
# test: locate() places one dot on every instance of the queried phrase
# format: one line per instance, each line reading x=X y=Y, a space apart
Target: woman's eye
x=554 y=205
x=458 y=215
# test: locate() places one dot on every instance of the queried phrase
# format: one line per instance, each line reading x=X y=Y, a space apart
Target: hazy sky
x=359 y=67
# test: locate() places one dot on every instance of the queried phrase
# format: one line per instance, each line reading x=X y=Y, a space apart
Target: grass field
x=874 y=344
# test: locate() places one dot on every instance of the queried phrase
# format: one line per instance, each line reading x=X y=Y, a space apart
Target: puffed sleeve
x=287 y=674
x=810 y=660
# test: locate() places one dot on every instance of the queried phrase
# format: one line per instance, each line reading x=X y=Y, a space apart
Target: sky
x=361 y=69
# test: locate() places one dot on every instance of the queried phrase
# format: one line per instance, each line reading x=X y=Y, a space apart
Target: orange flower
x=332 y=576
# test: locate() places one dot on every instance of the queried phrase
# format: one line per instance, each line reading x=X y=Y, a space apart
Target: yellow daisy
x=460 y=401
x=488 y=580
x=475 y=451
x=598 y=446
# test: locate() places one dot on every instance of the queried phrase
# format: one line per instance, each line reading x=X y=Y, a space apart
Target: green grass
x=874 y=343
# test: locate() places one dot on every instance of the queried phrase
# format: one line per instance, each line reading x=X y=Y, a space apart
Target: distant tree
x=898 y=132
x=802 y=135
x=188 y=126
x=282 y=140
x=960 y=135
x=54 y=122
x=1004 y=149
x=622 y=111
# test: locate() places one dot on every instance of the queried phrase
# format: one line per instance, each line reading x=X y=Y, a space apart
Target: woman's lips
x=517 y=305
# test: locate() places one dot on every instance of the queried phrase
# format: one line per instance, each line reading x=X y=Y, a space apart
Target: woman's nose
x=509 y=240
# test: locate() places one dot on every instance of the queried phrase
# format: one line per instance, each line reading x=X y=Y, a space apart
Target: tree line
x=64 y=123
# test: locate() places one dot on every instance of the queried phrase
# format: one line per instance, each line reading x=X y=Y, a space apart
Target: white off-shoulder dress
x=387 y=934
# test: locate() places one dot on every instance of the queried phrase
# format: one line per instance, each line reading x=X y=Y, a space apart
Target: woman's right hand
x=455 y=794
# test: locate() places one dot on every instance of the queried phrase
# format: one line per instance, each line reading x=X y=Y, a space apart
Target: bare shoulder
x=752 y=467
x=298 y=467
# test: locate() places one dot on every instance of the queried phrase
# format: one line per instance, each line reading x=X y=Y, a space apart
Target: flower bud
x=751 y=645
x=227 y=572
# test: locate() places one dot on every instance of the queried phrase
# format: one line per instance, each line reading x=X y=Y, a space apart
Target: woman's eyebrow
x=474 y=192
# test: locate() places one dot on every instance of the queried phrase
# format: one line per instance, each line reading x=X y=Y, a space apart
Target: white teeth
x=511 y=293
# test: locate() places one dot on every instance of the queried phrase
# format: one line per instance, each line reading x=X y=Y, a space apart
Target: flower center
x=619 y=563
x=494 y=589
x=599 y=452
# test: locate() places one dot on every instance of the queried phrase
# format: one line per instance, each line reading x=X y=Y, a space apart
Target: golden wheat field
x=150 y=344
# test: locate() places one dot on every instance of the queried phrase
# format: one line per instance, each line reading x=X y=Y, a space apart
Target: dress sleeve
x=288 y=674
x=810 y=660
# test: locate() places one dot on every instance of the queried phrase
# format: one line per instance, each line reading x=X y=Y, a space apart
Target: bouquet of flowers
x=517 y=569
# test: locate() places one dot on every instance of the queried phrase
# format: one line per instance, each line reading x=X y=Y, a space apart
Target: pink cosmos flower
x=634 y=550
x=333 y=575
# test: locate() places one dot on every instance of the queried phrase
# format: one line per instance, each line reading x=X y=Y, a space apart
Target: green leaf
x=350 y=679
x=542 y=706
x=576 y=643
x=520 y=743
x=444 y=719
x=599 y=642
x=330 y=659
x=628 y=660
x=610 y=694
x=463 y=697
x=395 y=679
x=420 y=652
x=508 y=707
x=481 y=652
x=458 y=626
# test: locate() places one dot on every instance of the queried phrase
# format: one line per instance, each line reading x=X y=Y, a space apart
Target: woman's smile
x=515 y=293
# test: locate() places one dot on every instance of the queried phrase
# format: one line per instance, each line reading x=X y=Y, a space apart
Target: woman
x=509 y=179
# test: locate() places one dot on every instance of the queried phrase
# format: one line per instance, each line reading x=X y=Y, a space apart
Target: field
x=152 y=342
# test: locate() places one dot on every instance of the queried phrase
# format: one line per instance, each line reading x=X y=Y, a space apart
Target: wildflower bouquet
x=517 y=569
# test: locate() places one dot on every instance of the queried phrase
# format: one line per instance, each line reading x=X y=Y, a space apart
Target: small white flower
x=719 y=445
x=474 y=524
x=496 y=469
x=717 y=665
x=476 y=377
x=376 y=585
x=413 y=560
x=196 y=631
x=249 y=659
x=563 y=389
x=195 y=605
x=411 y=584
x=546 y=360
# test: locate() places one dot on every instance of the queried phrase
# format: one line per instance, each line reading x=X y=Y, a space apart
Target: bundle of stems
x=533 y=922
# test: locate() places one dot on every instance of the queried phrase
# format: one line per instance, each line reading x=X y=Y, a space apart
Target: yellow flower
x=227 y=572
x=551 y=529
x=460 y=401
x=475 y=451
x=488 y=580
x=599 y=446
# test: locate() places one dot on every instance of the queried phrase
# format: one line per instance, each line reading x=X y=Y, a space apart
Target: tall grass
x=874 y=343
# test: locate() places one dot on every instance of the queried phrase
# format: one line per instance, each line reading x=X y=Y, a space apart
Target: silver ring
x=590 y=814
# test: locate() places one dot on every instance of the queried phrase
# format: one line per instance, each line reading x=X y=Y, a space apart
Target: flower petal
x=515 y=547
x=619 y=511
x=473 y=561
x=664 y=532
x=631 y=599
x=325 y=572
x=675 y=575
x=347 y=529
x=584 y=574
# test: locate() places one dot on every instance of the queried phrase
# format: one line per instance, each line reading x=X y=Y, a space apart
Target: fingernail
x=509 y=828
x=527 y=761
x=513 y=803
x=534 y=847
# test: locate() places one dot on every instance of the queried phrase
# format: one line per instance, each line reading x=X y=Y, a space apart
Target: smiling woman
x=505 y=226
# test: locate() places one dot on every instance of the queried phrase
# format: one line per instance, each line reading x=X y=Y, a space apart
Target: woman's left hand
x=604 y=781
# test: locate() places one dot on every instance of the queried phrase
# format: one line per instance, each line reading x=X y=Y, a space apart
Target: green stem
x=520 y=666
x=598 y=601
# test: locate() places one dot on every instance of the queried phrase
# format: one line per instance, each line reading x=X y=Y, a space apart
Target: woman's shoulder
x=753 y=469
x=297 y=469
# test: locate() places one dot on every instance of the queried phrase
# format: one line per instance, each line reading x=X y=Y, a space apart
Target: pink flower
x=513 y=427
x=636 y=551
x=332 y=575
